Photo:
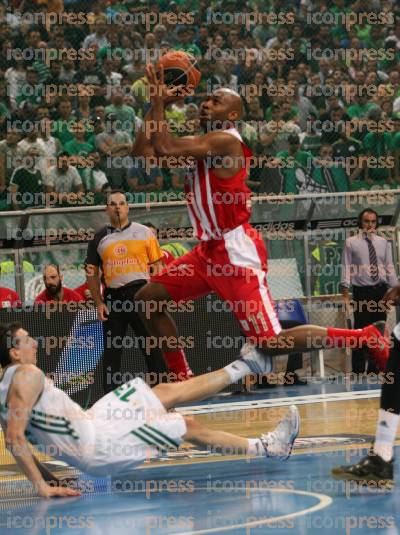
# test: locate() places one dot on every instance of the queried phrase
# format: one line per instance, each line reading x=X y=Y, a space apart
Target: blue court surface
x=242 y=496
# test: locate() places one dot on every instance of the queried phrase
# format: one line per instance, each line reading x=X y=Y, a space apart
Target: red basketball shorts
x=235 y=268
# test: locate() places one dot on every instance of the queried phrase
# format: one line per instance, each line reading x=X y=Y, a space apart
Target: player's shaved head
x=223 y=106
x=233 y=100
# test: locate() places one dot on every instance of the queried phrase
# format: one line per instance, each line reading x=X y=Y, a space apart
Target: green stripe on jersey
x=166 y=438
x=47 y=415
x=49 y=423
x=53 y=422
x=55 y=431
x=155 y=438
x=163 y=444
x=147 y=439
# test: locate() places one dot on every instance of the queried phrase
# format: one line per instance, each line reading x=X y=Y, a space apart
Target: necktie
x=373 y=261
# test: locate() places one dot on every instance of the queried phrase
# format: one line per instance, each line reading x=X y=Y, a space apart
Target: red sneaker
x=377 y=343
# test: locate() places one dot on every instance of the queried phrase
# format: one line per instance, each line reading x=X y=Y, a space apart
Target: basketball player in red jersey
x=231 y=259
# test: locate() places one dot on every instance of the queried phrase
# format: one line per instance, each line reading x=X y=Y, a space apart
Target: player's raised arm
x=216 y=143
x=24 y=392
x=143 y=145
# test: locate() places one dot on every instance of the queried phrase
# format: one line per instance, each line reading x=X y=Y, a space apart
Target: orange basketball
x=180 y=68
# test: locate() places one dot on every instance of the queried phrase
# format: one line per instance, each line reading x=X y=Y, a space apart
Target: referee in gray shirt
x=367 y=266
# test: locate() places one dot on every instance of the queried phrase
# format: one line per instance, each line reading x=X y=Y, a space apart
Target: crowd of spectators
x=319 y=79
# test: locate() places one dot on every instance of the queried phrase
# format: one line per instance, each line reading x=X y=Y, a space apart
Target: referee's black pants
x=123 y=311
x=366 y=311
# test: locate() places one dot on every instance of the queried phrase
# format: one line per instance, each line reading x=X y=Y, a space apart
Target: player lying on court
x=121 y=430
x=377 y=466
x=231 y=259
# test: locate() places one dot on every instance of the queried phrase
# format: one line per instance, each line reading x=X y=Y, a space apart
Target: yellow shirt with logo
x=124 y=255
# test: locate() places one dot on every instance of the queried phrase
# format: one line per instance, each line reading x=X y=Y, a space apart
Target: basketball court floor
x=197 y=492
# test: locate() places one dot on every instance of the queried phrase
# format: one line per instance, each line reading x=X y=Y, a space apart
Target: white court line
x=278 y=402
x=324 y=501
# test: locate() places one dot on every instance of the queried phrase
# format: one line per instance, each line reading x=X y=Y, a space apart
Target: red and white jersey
x=217 y=205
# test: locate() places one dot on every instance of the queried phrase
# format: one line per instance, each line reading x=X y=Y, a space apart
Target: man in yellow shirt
x=125 y=254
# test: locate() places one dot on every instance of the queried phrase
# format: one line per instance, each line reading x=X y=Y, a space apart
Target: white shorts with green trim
x=131 y=425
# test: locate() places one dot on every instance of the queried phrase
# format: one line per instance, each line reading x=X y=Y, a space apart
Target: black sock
x=390 y=396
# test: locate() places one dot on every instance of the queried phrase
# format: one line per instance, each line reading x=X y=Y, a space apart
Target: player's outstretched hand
x=392 y=296
x=47 y=491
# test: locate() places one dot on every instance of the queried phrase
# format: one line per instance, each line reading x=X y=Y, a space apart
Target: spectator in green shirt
x=63 y=127
x=40 y=66
x=378 y=145
x=303 y=157
x=361 y=107
x=113 y=49
x=125 y=114
x=363 y=31
x=185 y=44
x=79 y=146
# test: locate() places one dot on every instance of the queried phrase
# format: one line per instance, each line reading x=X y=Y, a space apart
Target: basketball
x=180 y=68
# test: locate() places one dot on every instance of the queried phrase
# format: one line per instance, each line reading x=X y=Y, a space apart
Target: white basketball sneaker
x=258 y=361
x=279 y=442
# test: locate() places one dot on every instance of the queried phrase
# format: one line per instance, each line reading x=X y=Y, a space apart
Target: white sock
x=255 y=447
x=237 y=370
x=386 y=430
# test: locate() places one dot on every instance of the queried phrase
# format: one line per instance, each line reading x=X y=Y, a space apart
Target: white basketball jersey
x=57 y=426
